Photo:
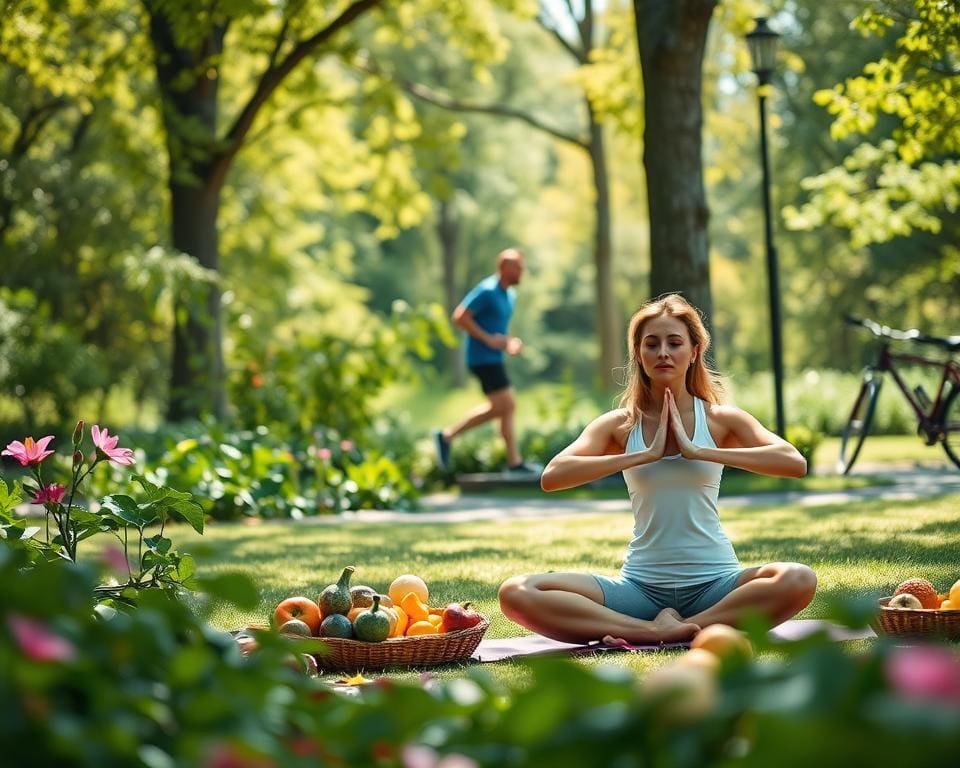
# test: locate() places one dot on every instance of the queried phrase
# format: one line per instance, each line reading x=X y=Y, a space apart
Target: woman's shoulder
x=725 y=413
x=614 y=419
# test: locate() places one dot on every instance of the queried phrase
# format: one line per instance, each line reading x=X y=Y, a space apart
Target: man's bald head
x=510 y=266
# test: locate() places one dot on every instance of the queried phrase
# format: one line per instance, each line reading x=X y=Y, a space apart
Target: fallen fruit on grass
x=702 y=658
x=335 y=598
x=336 y=625
x=372 y=625
x=405 y=583
x=302 y=608
x=904 y=600
x=681 y=693
x=457 y=616
x=921 y=589
x=295 y=627
x=723 y=641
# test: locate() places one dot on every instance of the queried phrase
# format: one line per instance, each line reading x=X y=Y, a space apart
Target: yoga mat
x=538 y=645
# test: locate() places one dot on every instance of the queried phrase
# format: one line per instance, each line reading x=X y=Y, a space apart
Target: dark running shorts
x=493 y=377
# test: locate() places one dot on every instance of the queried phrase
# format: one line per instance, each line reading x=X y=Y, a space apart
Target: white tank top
x=677 y=537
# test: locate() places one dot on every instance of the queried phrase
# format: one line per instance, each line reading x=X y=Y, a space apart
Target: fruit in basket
x=921 y=589
x=295 y=628
x=400 y=628
x=335 y=598
x=904 y=600
x=949 y=605
x=336 y=625
x=408 y=582
x=422 y=628
x=372 y=625
x=954 y=595
x=302 y=608
x=361 y=596
x=456 y=616
x=414 y=607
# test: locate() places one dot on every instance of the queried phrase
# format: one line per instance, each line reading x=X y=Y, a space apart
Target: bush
x=157 y=686
x=257 y=473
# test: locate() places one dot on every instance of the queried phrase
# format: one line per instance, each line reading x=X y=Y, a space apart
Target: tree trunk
x=195 y=181
x=447 y=227
x=607 y=319
x=671 y=35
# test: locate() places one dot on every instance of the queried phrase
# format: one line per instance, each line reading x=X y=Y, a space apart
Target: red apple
x=457 y=616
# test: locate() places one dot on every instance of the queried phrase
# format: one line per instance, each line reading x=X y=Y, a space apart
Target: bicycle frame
x=929 y=422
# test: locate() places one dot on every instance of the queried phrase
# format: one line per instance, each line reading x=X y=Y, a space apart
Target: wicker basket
x=918 y=623
x=419 y=651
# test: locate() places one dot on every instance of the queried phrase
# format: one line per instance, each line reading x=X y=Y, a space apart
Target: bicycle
x=938 y=419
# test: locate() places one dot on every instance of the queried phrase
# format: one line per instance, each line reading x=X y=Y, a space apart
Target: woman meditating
x=671 y=438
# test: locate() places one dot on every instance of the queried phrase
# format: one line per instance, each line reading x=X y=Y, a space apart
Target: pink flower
x=107 y=446
x=324 y=454
x=49 y=494
x=346 y=445
x=925 y=672
x=37 y=642
x=28 y=452
x=422 y=756
x=114 y=558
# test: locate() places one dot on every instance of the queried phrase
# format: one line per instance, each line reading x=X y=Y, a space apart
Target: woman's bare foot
x=669 y=627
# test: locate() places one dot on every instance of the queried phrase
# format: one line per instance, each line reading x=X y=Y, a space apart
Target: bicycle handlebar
x=947 y=342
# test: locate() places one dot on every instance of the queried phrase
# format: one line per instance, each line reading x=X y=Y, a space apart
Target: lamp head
x=762 y=42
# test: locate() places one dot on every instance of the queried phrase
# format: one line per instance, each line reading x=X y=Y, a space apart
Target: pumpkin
x=372 y=625
x=335 y=598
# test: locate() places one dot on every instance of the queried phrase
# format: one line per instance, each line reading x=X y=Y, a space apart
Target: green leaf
x=9 y=499
x=127 y=511
x=186 y=572
x=235 y=588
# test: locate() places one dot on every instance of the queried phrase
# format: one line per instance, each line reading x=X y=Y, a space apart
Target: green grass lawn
x=857 y=549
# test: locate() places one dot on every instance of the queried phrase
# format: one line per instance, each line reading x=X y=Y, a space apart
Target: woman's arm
x=747 y=444
x=586 y=458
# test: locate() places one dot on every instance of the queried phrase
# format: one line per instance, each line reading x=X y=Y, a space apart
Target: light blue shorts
x=643 y=601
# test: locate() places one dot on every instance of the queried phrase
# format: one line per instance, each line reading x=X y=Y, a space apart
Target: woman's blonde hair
x=701 y=380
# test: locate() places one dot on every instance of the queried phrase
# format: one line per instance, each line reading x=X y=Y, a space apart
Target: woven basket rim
x=884 y=600
x=347 y=642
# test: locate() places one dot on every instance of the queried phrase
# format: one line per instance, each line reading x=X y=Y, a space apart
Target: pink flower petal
x=37 y=642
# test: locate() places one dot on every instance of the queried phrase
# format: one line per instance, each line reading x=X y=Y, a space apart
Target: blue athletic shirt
x=677 y=538
x=492 y=307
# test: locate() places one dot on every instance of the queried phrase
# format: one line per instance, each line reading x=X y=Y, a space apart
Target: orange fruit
x=435 y=619
x=422 y=628
x=949 y=605
x=954 y=594
x=402 y=620
x=408 y=582
x=921 y=589
x=723 y=640
x=415 y=609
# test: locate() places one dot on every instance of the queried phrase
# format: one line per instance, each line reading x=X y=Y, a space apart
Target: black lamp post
x=763 y=52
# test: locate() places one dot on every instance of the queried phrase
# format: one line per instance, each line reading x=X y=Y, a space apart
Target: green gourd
x=373 y=625
x=361 y=596
x=335 y=598
x=336 y=625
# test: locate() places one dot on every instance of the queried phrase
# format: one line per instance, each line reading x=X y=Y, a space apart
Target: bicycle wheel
x=858 y=425
x=951 y=426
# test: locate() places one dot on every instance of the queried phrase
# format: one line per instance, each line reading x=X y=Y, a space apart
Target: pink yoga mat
x=537 y=645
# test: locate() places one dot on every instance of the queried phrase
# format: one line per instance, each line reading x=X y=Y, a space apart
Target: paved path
x=911 y=482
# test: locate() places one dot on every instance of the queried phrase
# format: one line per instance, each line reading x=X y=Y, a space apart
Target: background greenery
x=357 y=197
